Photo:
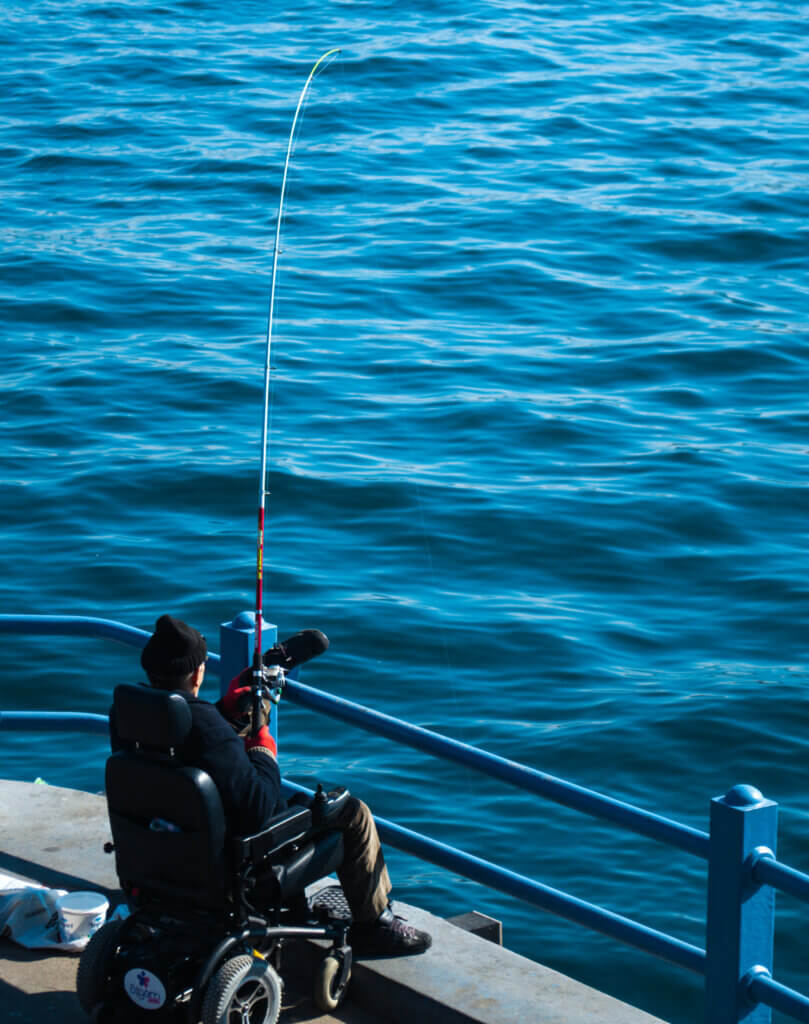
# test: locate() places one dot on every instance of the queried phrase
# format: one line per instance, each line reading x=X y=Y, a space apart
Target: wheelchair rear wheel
x=94 y=967
x=329 y=989
x=244 y=989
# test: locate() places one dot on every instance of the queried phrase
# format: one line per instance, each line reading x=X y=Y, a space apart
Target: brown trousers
x=363 y=874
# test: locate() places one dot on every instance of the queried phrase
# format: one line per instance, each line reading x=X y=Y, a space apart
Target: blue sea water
x=538 y=460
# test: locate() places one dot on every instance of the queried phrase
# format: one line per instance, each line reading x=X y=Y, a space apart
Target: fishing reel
x=271 y=684
x=256 y=698
x=266 y=690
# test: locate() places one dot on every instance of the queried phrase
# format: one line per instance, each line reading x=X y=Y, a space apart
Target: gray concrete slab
x=464 y=979
x=55 y=836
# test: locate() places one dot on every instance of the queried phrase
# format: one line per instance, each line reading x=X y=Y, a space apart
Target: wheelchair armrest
x=281 y=829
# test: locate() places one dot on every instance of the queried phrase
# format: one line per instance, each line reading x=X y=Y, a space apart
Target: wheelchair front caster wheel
x=329 y=988
x=244 y=989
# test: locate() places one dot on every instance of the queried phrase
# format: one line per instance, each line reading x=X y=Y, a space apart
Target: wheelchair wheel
x=329 y=993
x=95 y=964
x=245 y=990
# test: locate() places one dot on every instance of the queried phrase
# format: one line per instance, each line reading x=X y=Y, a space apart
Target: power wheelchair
x=209 y=913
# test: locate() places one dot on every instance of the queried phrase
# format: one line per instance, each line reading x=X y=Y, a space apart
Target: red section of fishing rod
x=258 y=674
x=259 y=589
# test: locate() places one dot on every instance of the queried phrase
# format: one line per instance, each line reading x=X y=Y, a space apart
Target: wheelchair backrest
x=167 y=821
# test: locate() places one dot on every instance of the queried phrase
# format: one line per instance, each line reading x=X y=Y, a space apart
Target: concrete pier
x=55 y=837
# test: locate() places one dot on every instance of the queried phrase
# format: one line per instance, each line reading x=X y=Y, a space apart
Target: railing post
x=740 y=912
x=236 y=642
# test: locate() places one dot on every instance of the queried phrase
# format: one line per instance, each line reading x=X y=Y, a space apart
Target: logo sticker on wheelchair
x=144 y=989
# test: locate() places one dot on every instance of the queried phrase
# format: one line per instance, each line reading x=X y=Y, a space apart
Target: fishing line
x=320 y=65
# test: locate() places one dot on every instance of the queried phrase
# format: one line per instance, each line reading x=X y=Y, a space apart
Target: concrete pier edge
x=55 y=836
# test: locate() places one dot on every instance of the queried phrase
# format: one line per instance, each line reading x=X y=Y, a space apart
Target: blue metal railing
x=54 y=721
x=559 y=790
x=743 y=870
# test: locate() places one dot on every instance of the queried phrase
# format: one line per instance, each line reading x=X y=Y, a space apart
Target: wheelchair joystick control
x=318 y=806
x=327 y=806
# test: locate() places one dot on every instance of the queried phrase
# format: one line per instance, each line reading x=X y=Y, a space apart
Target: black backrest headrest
x=158 y=719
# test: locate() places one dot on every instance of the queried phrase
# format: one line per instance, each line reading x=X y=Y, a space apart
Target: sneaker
x=390 y=935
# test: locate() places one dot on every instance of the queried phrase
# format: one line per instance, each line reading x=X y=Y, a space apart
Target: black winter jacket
x=249 y=783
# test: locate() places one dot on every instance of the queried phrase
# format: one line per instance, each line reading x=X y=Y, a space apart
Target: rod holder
x=237 y=640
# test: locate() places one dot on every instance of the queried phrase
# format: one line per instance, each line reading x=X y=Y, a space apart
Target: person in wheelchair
x=245 y=771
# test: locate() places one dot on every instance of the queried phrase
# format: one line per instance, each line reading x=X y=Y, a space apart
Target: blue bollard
x=237 y=640
x=740 y=911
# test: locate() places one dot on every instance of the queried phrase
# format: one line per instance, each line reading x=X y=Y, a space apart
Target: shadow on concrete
x=37 y=985
x=41 y=1006
x=35 y=871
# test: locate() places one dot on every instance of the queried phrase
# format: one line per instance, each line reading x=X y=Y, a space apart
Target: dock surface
x=55 y=837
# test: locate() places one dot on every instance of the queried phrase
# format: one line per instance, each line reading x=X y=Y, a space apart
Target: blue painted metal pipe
x=73 y=625
x=567 y=793
x=544 y=896
x=81 y=625
x=54 y=721
x=761 y=988
x=767 y=870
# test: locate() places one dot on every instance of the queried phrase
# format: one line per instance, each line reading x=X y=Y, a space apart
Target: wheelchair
x=209 y=913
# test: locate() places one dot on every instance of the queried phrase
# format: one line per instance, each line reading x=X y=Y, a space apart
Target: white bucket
x=80 y=914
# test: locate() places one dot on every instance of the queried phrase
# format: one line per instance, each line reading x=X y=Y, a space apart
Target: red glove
x=236 y=701
x=262 y=738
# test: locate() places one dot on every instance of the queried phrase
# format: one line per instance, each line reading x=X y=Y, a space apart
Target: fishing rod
x=258 y=669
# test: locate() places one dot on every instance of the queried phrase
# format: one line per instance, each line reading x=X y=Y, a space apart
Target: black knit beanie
x=173 y=650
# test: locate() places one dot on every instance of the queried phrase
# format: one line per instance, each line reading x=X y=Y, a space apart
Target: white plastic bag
x=29 y=916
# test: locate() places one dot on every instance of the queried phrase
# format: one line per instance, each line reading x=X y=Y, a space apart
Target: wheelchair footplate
x=330 y=904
